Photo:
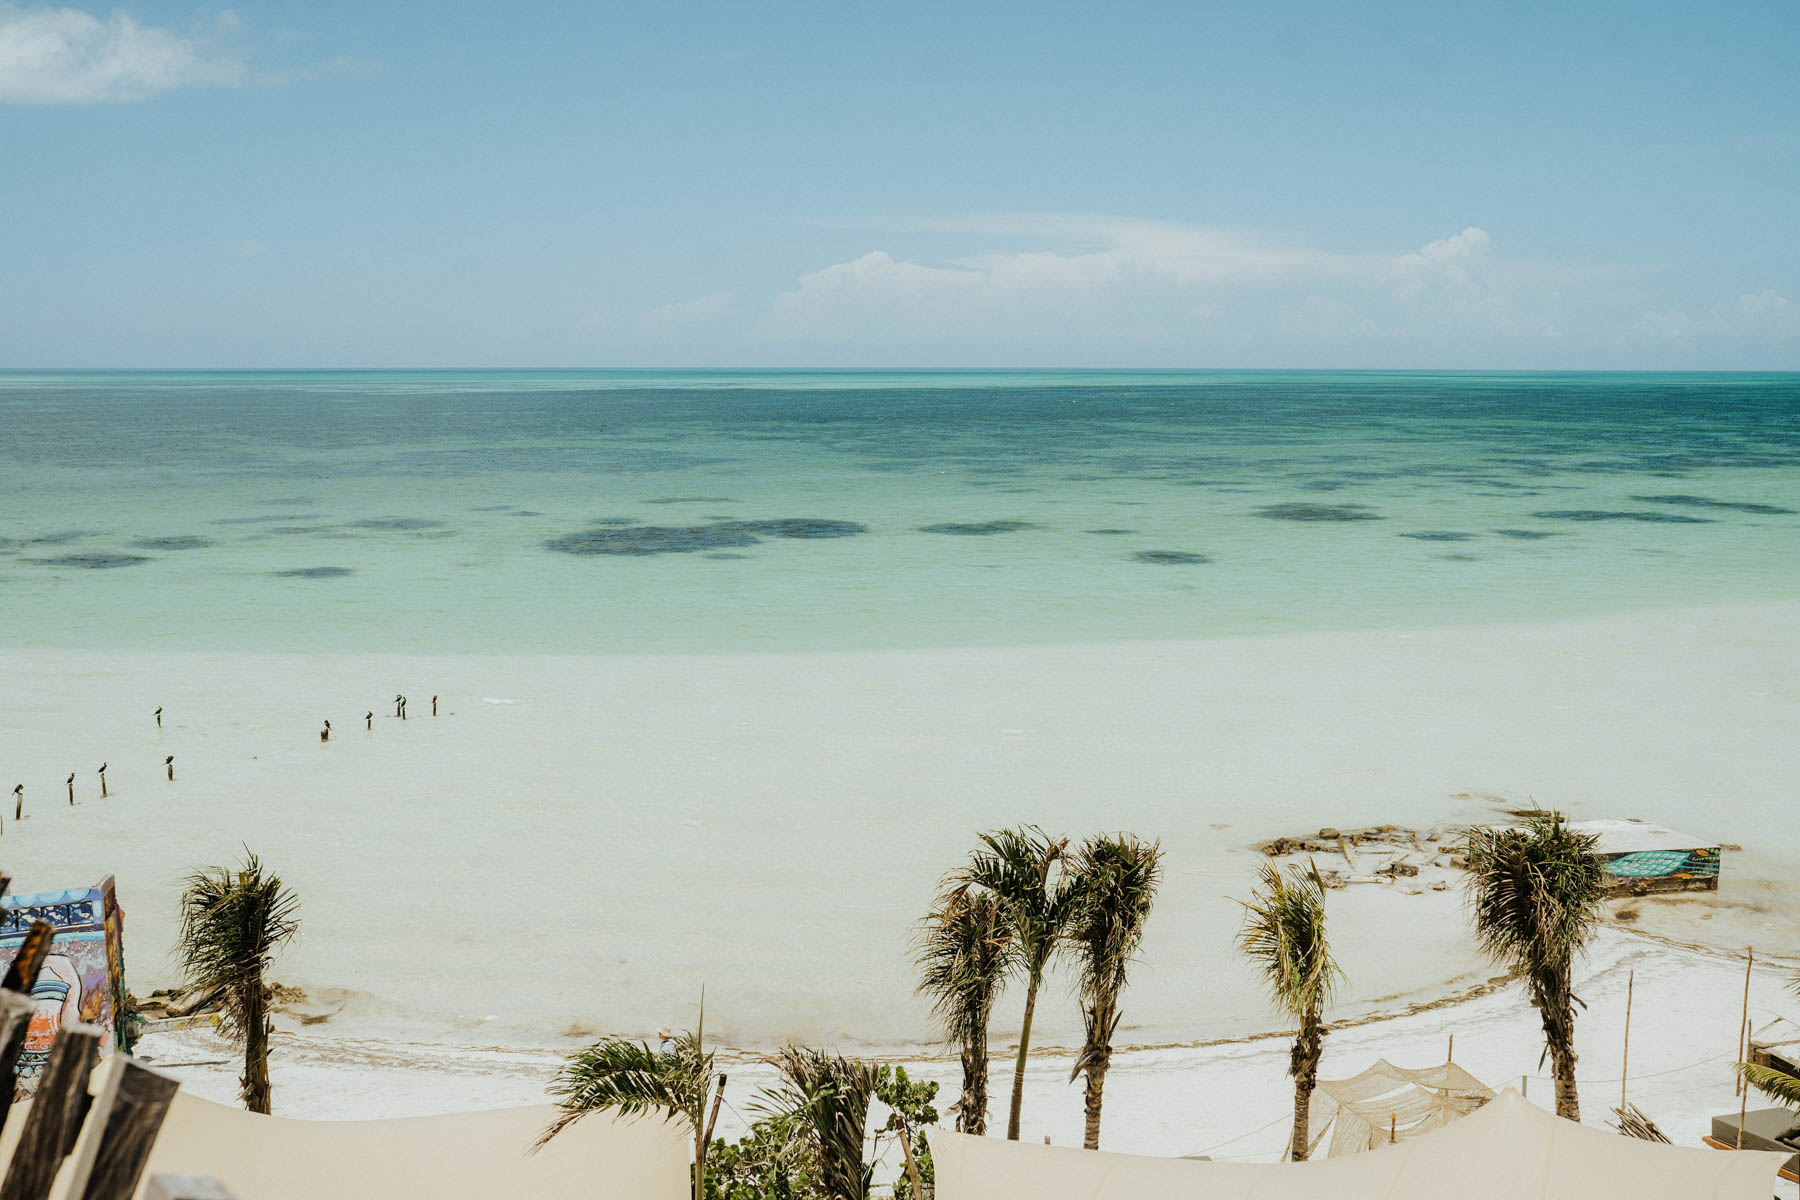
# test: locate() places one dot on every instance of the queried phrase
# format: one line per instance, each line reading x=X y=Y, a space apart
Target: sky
x=462 y=184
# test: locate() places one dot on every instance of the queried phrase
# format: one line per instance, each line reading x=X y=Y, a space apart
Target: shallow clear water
x=418 y=511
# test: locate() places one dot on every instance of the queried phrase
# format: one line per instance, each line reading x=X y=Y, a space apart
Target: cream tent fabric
x=1362 y=1112
x=467 y=1156
x=1508 y=1150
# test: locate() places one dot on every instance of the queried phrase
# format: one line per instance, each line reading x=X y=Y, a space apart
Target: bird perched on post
x=71 y=789
x=369 y=719
x=102 y=781
x=169 y=762
x=325 y=733
x=159 y=716
x=19 y=803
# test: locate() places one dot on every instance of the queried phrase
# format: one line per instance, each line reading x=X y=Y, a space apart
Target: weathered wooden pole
x=19 y=803
x=109 y=1159
x=399 y=704
x=159 y=716
x=434 y=706
x=169 y=763
x=1625 y=1058
x=1744 y=1091
x=1744 y=1021
x=369 y=719
x=325 y=733
x=103 y=781
x=71 y=789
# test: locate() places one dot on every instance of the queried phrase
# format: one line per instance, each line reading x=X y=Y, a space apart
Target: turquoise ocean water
x=601 y=511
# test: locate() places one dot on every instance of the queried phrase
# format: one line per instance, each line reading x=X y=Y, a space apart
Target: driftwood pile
x=1377 y=854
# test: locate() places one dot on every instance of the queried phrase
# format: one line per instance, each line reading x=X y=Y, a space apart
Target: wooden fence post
x=57 y=1111
x=127 y=1115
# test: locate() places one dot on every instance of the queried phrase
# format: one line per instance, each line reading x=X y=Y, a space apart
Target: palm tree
x=1284 y=934
x=631 y=1079
x=1536 y=891
x=965 y=953
x=1023 y=868
x=233 y=923
x=824 y=1099
x=1116 y=880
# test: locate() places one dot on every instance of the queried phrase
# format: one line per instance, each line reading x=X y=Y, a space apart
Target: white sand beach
x=581 y=820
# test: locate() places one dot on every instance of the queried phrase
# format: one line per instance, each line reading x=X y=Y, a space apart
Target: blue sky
x=468 y=184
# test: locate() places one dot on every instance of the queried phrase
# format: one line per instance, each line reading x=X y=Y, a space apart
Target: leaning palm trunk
x=254 y=1086
x=1018 y=1083
x=971 y=1106
x=1303 y=1063
x=1094 y=1062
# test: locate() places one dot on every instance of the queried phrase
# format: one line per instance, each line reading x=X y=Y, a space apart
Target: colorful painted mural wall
x=84 y=975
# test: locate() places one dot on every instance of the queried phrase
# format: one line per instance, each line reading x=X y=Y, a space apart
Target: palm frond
x=1027 y=872
x=1778 y=1086
x=1535 y=891
x=1284 y=935
x=823 y=1099
x=233 y=924
x=1114 y=884
x=965 y=951
x=631 y=1079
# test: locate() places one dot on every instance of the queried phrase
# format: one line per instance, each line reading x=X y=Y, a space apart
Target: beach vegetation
x=1536 y=892
x=822 y=1101
x=1776 y=1084
x=1284 y=935
x=966 y=950
x=234 y=921
x=1115 y=879
x=1028 y=873
x=629 y=1079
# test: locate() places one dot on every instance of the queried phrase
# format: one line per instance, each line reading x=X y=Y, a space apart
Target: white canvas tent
x=464 y=1156
x=1508 y=1150
x=1388 y=1102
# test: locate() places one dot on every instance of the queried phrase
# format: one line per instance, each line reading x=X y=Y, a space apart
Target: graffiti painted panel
x=84 y=974
x=1666 y=864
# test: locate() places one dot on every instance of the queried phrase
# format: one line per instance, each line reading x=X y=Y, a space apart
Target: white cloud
x=1120 y=280
x=66 y=56
x=677 y=316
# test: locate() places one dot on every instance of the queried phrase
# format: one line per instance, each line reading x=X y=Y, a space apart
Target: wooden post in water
x=1744 y=1021
x=434 y=706
x=103 y=781
x=399 y=705
x=169 y=763
x=325 y=733
x=159 y=716
x=1450 y=1050
x=1625 y=1058
x=369 y=719
x=71 y=789
x=19 y=803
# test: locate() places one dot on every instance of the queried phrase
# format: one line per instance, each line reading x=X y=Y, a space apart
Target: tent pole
x=1625 y=1059
x=1744 y=1022
x=1450 y=1054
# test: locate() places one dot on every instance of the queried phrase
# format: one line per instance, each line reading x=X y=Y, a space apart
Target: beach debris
x=1632 y=1122
x=169 y=765
x=159 y=716
x=102 y=774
